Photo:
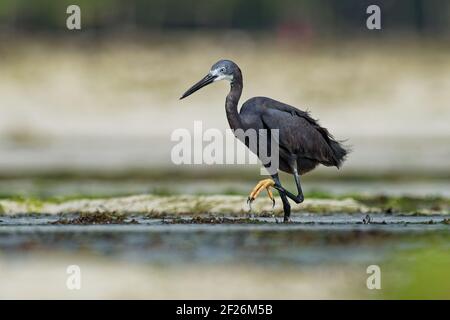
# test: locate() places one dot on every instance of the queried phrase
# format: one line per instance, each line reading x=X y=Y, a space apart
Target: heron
x=303 y=143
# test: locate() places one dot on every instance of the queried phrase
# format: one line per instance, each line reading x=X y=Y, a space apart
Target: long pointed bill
x=209 y=78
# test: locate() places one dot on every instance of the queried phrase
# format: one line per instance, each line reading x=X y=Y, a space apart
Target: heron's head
x=221 y=70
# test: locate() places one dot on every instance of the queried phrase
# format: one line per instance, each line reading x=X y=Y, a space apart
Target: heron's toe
x=287 y=220
x=249 y=202
x=261 y=185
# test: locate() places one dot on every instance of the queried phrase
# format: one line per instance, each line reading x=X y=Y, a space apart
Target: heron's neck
x=231 y=103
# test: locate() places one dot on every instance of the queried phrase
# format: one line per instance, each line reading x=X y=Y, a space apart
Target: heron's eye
x=222 y=69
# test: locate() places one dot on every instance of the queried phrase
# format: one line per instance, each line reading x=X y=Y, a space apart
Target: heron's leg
x=299 y=196
x=286 y=207
x=263 y=184
x=296 y=198
x=284 y=198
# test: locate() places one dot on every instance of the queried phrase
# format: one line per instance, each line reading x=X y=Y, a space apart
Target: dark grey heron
x=302 y=142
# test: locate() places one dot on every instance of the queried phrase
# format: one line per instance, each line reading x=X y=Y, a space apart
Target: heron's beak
x=209 y=78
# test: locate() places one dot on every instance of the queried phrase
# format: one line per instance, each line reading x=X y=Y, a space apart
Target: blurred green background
x=323 y=16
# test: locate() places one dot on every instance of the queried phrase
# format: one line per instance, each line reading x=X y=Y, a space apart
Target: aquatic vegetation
x=100 y=218
x=157 y=206
x=213 y=220
x=407 y=204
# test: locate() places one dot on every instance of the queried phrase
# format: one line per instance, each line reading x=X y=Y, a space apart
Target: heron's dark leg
x=283 y=196
x=286 y=207
x=299 y=197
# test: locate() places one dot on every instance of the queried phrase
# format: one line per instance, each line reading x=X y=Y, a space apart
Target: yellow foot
x=263 y=184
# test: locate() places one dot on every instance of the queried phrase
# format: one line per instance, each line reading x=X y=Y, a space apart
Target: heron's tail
x=339 y=152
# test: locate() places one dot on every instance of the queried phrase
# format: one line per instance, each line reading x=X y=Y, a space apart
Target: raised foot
x=263 y=184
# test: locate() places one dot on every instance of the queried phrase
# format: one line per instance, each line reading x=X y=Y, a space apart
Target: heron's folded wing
x=298 y=135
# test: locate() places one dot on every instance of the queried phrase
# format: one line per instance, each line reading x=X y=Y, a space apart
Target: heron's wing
x=274 y=104
x=300 y=134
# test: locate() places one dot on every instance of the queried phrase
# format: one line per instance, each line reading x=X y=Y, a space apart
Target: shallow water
x=309 y=240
